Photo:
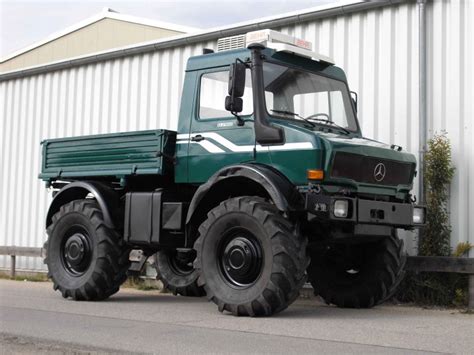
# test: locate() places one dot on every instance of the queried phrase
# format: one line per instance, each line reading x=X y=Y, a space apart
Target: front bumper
x=364 y=212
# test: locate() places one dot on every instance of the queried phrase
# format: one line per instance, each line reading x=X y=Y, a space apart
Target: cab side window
x=214 y=89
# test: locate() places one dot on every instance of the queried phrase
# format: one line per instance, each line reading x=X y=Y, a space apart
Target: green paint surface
x=125 y=154
x=119 y=154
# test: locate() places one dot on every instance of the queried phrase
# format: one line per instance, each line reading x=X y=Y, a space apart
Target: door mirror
x=354 y=99
x=237 y=79
x=233 y=102
x=233 y=105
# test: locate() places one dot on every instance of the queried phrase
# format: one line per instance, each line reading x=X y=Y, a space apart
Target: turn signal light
x=313 y=174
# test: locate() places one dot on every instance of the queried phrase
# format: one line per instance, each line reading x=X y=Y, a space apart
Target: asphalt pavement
x=34 y=319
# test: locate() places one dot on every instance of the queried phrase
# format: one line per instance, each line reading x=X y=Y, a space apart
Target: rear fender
x=107 y=198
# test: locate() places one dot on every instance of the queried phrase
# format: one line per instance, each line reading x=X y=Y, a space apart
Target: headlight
x=418 y=215
x=341 y=208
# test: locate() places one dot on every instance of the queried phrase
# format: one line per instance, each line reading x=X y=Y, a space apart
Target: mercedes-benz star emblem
x=379 y=172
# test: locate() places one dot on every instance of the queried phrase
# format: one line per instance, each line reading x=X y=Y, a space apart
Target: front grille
x=369 y=169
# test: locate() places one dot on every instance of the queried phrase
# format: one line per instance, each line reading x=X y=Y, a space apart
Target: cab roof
x=226 y=58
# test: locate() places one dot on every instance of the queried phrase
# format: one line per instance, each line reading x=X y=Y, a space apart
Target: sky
x=24 y=22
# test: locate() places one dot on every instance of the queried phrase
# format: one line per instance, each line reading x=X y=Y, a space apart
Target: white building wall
x=450 y=75
x=377 y=48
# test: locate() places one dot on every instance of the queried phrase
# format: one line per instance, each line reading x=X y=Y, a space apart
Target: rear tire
x=177 y=273
x=250 y=258
x=86 y=259
x=359 y=277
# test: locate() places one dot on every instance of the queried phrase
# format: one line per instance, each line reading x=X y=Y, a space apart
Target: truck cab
x=268 y=181
x=306 y=99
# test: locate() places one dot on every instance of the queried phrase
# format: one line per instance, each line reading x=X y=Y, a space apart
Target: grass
x=144 y=287
x=36 y=277
x=132 y=282
x=143 y=284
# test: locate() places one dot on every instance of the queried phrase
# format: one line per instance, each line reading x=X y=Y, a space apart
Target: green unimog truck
x=267 y=183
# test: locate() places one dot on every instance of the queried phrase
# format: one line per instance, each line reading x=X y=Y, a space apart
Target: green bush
x=438 y=173
x=441 y=289
x=434 y=289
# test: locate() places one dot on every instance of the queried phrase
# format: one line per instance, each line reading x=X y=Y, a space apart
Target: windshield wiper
x=331 y=123
x=285 y=112
x=289 y=113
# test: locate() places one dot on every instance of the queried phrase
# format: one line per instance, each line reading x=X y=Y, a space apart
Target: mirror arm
x=240 y=120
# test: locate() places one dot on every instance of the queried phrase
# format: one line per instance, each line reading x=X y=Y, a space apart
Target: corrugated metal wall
x=450 y=96
x=377 y=48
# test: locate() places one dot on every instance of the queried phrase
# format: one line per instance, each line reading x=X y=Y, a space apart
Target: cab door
x=215 y=139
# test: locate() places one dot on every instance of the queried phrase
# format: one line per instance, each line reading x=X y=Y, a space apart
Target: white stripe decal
x=209 y=146
x=227 y=143
x=182 y=136
x=292 y=146
x=212 y=148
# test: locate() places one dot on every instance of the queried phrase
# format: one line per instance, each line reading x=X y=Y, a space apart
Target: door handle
x=197 y=138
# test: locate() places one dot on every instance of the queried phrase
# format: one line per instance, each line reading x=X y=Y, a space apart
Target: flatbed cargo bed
x=116 y=155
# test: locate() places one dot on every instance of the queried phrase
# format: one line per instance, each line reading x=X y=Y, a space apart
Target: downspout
x=422 y=134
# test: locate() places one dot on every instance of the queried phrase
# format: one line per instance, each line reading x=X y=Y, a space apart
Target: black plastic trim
x=265 y=132
x=367 y=212
x=106 y=197
x=281 y=191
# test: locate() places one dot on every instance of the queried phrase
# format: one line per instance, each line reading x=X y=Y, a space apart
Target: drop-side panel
x=118 y=155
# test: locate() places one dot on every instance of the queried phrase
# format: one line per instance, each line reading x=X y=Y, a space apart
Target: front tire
x=250 y=258
x=358 y=276
x=86 y=259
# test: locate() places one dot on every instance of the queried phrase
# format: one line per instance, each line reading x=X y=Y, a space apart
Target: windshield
x=293 y=93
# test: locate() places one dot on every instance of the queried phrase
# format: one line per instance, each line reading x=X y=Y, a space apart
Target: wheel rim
x=348 y=264
x=182 y=263
x=240 y=257
x=353 y=271
x=76 y=251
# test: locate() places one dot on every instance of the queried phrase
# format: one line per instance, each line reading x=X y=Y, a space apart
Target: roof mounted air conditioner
x=276 y=40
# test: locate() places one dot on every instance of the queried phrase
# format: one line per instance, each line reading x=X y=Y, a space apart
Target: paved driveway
x=35 y=319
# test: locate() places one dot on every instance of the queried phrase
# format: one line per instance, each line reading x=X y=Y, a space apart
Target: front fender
x=280 y=190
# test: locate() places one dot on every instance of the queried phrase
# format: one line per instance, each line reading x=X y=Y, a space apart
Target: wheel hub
x=241 y=259
x=77 y=253
x=182 y=262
